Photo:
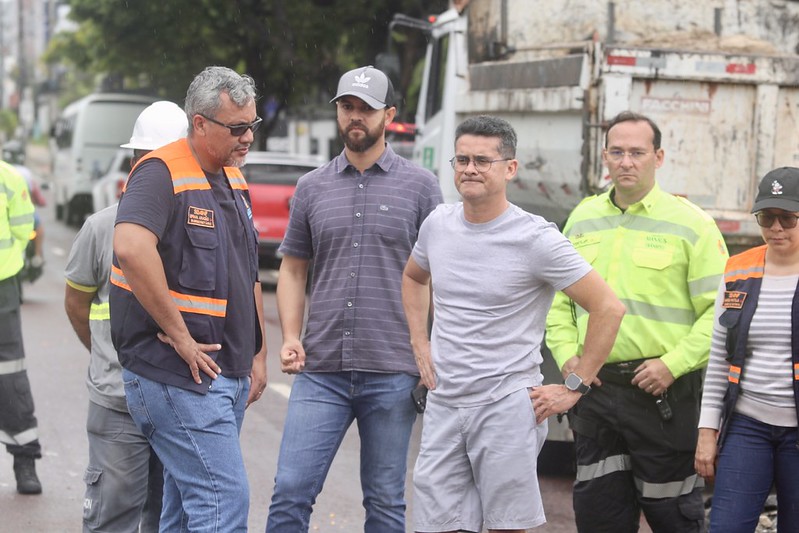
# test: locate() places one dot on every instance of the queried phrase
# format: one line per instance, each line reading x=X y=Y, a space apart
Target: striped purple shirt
x=358 y=230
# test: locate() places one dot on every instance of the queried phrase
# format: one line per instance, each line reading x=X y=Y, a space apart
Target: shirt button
x=352 y=274
x=355 y=245
x=357 y=215
x=346 y=333
x=349 y=304
x=360 y=185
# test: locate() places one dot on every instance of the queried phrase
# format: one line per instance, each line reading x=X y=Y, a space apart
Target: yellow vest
x=16 y=220
x=664 y=258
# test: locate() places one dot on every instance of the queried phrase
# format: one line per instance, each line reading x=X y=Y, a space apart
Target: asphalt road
x=57 y=365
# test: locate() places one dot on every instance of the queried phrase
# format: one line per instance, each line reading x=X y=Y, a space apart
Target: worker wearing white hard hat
x=159 y=124
x=124 y=479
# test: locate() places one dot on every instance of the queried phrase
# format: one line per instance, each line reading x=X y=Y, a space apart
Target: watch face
x=573 y=382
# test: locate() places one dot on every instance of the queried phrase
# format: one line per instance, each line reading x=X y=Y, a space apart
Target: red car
x=272 y=177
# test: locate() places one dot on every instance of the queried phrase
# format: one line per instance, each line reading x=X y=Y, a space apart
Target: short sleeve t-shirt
x=493 y=284
x=88 y=269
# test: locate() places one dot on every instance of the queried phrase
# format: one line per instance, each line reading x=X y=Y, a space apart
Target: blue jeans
x=754 y=456
x=321 y=408
x=196 y=437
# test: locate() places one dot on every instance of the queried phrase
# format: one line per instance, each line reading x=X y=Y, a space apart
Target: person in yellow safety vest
x=18 y=430
x=635 y=433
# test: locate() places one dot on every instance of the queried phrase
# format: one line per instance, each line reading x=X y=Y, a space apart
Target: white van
x=85 y=138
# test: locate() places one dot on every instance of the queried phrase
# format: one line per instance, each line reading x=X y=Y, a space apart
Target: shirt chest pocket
x=393 y=222
x=198 y=267
x=651 y=265
x=587 y=246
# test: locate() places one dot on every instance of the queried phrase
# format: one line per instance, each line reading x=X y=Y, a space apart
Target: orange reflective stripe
x=190 y=303
x=747 y=265
x=187 y=303
x=117 y=278
x=236 y=179
x=796 y=371
x=177 y=157
x=735 y=374
x=189 y=183
x=186 y=173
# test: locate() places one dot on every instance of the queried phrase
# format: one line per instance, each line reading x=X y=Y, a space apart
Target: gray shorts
x=477 y=467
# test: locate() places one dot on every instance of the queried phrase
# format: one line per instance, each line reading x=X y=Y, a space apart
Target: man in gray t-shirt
x=124 y=477
x=494 y=270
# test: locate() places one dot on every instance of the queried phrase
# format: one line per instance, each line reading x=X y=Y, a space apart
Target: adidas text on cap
x=368 y=84
x=779 y=189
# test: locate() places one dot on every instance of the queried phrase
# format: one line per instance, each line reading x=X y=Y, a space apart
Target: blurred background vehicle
x=272 y=178
x=401 y=136
x=107 y=189
x=85 y=138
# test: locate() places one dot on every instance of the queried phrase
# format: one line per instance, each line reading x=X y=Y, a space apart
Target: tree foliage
x=295 y=50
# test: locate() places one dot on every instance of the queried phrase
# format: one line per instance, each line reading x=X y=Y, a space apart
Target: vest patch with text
x=201 y=217
x=734 y=300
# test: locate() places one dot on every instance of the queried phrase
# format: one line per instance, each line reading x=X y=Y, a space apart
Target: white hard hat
x=158 y=124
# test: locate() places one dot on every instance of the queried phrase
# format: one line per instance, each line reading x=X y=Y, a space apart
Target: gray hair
x=202 y=98
x=488 y=126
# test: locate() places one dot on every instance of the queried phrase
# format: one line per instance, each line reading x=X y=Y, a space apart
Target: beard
x=227 y=159
x=369 y=139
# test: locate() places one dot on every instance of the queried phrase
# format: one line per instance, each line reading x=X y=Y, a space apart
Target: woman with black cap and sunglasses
x=748 y=438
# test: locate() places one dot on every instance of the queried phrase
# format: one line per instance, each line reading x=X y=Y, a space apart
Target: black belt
x=619 y=373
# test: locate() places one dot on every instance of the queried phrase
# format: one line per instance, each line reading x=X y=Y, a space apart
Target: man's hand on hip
x=196 y=356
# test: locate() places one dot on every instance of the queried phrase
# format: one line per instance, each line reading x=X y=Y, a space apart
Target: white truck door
x=708 y=137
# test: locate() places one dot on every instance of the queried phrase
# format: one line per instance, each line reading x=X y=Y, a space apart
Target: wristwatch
x=575 y=383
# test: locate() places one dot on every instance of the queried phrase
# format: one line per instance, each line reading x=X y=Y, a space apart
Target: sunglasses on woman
x=766 y=220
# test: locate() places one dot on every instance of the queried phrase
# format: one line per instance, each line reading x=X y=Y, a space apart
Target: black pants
x=18 y=429
x=630 y=459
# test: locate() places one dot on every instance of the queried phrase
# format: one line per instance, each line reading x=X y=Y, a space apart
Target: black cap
x=779 y=189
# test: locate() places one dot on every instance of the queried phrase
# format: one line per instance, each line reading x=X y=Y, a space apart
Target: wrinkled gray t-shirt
x=493 y=284
x=89 y=265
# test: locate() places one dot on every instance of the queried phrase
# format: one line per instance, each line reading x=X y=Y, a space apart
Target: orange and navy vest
x=743 y=277
x=194 y=253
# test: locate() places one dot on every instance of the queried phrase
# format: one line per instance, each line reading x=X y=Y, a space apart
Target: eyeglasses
x=766 y=220
x=237 y=130
x=618 y=155
x=481 y=164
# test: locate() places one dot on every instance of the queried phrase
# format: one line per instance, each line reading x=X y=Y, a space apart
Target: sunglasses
x=236 y=130
x=766 y=220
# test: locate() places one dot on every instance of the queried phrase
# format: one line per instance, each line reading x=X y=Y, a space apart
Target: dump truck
x=720 y=78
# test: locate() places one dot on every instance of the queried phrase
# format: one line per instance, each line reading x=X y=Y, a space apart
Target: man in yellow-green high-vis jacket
x=636 y=430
